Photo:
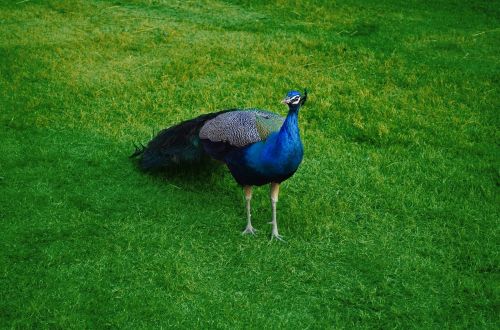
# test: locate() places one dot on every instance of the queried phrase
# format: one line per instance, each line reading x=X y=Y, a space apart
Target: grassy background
x=391 y=221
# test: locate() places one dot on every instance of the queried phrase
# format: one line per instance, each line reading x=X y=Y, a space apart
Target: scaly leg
x=275 y=189
x=248 y=197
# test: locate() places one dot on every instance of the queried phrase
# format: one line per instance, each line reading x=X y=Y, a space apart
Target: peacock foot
x=277 y=236
x=249 y=230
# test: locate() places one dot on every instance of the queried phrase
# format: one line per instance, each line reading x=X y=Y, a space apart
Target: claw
x=278 y=237
x=249 y=230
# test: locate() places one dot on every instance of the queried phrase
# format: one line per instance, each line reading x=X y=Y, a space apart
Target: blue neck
x=282 y=152
x=290 y=129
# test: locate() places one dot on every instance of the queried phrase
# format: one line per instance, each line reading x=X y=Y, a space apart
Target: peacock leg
x=275 y=189
x=248 y=197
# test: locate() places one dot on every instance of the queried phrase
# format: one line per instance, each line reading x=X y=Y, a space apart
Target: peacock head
x=294 y=99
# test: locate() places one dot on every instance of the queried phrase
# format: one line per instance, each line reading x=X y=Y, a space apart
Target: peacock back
x=240 y=128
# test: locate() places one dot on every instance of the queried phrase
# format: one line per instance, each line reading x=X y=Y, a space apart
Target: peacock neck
x=289 y=133
x=284 y=150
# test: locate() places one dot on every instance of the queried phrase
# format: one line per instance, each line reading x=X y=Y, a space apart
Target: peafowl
x=258 y=147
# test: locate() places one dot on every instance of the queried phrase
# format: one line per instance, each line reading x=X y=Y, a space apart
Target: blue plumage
x=272 y=160
x=258 y=147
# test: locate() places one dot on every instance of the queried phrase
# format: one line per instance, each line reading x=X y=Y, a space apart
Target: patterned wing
x=241 y=127
x=267 y=123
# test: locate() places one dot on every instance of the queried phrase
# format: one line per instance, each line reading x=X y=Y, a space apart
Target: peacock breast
x=270 y=160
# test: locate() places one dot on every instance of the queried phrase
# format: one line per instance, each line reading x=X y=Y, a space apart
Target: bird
x=258 y=146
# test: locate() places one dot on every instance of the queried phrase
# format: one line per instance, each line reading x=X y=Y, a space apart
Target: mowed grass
x=391 y=221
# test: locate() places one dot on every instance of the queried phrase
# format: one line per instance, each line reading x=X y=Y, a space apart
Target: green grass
x=391 y=221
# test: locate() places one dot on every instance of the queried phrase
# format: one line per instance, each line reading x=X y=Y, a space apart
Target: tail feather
x=175 y=145
x=138 y=150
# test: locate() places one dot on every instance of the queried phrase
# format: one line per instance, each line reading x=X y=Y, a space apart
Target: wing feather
x=241 y=127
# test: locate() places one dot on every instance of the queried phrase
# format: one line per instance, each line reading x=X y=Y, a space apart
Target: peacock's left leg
x=275 y=189
x=248 y=197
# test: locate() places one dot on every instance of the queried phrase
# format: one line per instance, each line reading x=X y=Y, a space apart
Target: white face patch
x=295 y=100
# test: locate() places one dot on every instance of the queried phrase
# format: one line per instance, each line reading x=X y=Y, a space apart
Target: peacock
x=259 y=147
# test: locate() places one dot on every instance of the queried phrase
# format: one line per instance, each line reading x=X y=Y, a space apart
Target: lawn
x=392 y=220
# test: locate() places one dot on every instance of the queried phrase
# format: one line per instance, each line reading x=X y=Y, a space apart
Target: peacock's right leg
x=248 y=197
x=275 y=189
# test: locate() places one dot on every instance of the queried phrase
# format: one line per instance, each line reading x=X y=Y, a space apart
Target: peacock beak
x=285 y=101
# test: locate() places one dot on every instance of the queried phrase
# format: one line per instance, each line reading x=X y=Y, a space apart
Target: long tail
x=175 y=145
